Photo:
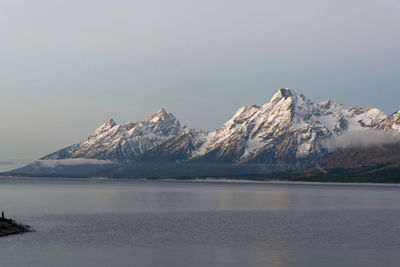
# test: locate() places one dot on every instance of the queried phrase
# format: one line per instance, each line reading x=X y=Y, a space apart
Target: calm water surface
x=92 y=222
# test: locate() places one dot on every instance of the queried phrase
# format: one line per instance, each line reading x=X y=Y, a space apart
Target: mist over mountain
x=286 y=134
x=362 y=139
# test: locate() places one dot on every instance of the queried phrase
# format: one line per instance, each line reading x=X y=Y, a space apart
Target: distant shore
x=206 y=180
x=10 y=227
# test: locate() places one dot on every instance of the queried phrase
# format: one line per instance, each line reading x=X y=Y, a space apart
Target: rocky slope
x=123 y=142
x=10 y=227
x=391 y=123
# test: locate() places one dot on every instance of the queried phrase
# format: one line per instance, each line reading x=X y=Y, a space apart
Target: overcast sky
x=68 y=66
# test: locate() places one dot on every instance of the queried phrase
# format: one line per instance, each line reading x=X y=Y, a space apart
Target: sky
x=67 y=66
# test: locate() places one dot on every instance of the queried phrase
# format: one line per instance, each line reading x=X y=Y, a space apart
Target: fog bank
x=362 y=138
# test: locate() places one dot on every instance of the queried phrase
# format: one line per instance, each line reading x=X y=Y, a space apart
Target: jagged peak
x=284 y=93
x=161 y=115
x=110 y=123
x=105 y=126
x=397 y=113
x=161 y=111
x=394 y=116
x=390 y=123
x=289 y=98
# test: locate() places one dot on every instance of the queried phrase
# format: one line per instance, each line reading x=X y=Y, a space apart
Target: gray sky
x=68 y=66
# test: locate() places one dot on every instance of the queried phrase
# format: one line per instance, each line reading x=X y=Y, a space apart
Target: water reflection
x=166 y=200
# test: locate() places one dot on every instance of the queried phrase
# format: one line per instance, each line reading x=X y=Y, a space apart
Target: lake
x=95 y=222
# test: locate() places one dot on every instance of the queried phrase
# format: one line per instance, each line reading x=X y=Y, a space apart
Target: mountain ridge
x=111 y=141
x=288 y=126
x=288 y=133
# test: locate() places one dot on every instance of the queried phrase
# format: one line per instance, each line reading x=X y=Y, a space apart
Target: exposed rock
x=10 y=227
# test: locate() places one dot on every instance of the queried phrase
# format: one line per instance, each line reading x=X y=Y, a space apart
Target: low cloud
x=362 y=138
x=72 y=162
x=6 y=165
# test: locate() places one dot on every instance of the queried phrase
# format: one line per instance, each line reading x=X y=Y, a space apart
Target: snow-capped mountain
x=123 y=142
x=391 y=123
x=182 y=147
x=288 y=132
x=289 y=126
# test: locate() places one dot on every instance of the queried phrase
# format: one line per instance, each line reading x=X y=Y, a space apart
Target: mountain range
x=290 y=136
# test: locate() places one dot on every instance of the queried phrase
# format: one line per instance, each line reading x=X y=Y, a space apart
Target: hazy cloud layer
x=6 y=165
x=362 y=138
x=71 y=162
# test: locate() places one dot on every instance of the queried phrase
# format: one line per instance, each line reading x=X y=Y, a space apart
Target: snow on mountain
x=290 y=131
x=289 y=128
x=179 y=148
x=391 y=123
x=124 y=142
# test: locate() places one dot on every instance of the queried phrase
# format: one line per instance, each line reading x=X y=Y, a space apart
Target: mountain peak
x=161 y=111
x=110 y=123
x=161 y=115
x=286 y=92
x=105 y=126
x=288 y=132
x=390 y=123
x=283 y=93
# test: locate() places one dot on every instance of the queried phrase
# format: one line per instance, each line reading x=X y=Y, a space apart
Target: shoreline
x=208 y=180
x=10 y=227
